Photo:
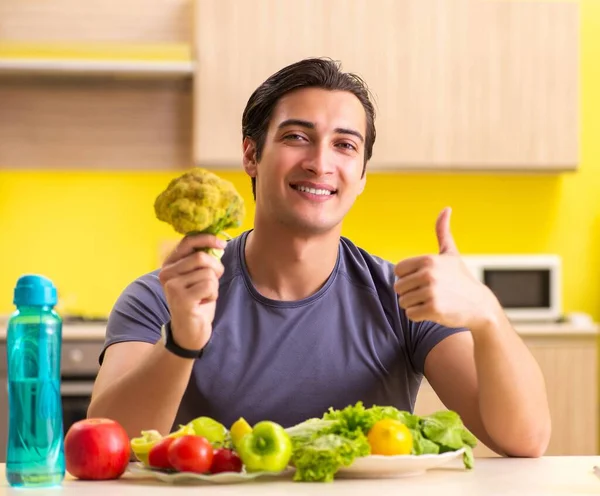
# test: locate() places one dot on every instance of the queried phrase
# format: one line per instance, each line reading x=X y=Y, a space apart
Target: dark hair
x=313 y=72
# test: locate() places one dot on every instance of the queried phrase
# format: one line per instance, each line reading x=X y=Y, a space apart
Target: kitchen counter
x=96 y=331
x=74 y=332
x=531 y=477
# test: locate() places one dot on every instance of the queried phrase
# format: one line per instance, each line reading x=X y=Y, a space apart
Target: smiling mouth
x=314 y=191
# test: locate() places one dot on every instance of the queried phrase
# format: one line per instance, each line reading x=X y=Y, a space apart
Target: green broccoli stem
x=215 y=229
x=215 y=252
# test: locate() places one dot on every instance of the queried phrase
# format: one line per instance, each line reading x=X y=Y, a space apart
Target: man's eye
x=347 y=146
x=293 y=137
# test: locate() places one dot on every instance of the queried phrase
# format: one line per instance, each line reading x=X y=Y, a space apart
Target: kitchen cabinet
x=96 y=85
x=71 y=21
x=460 y=85
x=152 y=61
x=569 y=363
x=464 y=85
x=95 y=123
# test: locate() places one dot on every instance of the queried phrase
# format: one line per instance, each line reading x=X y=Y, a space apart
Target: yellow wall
x=93 y=233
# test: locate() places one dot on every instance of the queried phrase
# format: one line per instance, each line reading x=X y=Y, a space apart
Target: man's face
x=310 y=171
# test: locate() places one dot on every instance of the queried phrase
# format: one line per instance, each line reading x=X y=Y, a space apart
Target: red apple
x=97 y=449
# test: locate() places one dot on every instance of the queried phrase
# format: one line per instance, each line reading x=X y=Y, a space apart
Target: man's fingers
x=446 y=242
x=196 y=286
x=416 y=297
x=190 y=244
x=420 y=312
x=205 y=291
x=418 y=279
x=410 y=265
x=196 y=260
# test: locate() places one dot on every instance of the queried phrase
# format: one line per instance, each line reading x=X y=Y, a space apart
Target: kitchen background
x=77 y=193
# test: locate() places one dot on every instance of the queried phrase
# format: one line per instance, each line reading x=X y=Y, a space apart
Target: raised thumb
x=442 y=230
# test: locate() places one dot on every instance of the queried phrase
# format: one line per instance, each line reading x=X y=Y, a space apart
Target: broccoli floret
x=200 y=202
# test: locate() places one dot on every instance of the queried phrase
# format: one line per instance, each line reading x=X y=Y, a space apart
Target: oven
x=79 y=367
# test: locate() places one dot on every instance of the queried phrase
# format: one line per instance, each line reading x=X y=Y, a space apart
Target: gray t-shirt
x=287 y=361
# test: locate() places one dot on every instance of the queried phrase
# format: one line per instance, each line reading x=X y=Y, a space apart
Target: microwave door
x=525 y=294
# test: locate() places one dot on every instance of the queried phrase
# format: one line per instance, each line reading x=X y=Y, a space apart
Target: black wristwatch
x=174 y=348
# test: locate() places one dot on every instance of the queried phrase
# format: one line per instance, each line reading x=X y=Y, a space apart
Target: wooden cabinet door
x=466 y=84
x=570 y=368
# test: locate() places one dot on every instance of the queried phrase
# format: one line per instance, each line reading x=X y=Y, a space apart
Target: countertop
x=74 y=332
x=491 y=476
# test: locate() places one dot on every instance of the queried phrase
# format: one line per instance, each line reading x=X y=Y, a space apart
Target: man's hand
x=440 y=288
x=190 y=280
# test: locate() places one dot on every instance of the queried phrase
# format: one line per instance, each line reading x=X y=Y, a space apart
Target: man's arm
x=487 y=375
x=140 y=385
x=490 y=378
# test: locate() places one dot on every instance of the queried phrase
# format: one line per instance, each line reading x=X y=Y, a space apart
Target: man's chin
x=314 y=227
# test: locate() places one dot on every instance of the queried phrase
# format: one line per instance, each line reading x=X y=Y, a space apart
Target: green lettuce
x=446 y=429
x=321 y=446
x=422 y=445
x=319 y=459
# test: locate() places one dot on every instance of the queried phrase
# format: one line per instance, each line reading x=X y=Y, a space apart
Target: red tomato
x=190 y=453
x=225 y=460
x=96 y=449
x=157 y=458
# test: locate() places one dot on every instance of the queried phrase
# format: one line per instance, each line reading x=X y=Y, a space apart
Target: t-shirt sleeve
x=423 y=337
x=138 y=314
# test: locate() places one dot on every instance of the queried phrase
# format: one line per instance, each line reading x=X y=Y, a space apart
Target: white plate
x=139 y=471
x=379 y=466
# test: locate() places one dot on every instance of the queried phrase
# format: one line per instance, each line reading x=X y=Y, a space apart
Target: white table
x=547 y=476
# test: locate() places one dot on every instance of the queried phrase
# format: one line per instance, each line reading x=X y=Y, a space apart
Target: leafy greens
x=322 y=446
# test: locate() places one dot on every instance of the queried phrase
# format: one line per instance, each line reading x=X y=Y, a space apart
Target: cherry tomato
x=225 y=460
x=157 y=458
x=191 y=453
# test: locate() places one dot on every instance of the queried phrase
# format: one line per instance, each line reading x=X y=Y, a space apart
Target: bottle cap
x=34 y=290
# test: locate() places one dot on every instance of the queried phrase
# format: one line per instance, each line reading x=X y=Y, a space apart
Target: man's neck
x=289 y=267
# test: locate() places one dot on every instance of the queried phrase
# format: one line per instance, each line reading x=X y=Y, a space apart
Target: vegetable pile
x=204 y=446
x=317 y=448
x=322 y=446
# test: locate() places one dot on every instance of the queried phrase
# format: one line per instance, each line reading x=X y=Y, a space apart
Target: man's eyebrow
x=296 y=122
x=310 y=125
x=342 y=130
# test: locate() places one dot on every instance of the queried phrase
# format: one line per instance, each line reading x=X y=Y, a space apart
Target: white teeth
x=313 y=191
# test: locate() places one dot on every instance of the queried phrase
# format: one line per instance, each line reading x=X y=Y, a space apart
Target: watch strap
x=174 y=348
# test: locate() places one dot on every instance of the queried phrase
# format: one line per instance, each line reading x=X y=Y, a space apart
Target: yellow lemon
x=390 y=437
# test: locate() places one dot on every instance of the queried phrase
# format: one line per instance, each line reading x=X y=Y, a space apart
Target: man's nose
x=320 y=162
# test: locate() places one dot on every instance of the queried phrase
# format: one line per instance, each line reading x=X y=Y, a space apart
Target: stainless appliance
x=79 y=367
x=529 y=287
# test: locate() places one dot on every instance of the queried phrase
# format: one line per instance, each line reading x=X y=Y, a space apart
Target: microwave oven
x=527 y=286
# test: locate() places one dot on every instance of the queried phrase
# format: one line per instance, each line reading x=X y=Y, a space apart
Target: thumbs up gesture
x=440 y=288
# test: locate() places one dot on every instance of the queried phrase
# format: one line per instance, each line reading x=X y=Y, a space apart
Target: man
x=296 y=318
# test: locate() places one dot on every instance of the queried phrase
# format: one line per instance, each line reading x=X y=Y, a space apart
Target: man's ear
x=249 y=156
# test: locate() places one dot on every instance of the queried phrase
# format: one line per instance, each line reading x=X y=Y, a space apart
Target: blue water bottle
x=35 y=449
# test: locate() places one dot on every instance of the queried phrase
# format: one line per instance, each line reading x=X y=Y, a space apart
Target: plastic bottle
x=35 y=448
